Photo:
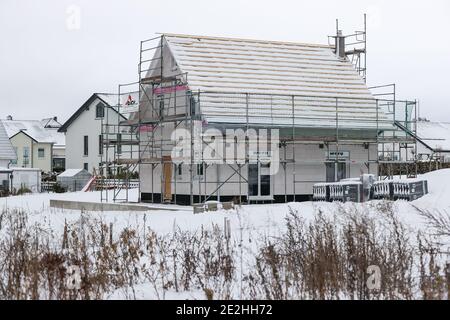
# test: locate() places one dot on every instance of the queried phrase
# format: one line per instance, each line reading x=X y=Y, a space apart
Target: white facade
x=292 y=179
x=26 y=178
x=86 y=126
x=303 y=89
x=35 y=145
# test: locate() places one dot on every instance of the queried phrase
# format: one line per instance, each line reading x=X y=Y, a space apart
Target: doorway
x=259 y=182
x=167 y=174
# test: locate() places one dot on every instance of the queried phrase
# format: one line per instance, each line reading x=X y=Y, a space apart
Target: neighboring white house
x=7 y=156
x=35 y=145
x=59 y=148
x=83 y=132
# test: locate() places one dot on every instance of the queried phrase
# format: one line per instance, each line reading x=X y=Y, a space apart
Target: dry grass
x=327 y=258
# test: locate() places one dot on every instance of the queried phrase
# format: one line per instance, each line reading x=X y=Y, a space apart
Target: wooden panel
x=167 y=172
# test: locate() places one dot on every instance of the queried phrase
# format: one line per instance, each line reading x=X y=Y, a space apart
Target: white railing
x=116 y=183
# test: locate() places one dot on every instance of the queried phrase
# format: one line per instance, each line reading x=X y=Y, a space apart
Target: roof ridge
x=292 y=43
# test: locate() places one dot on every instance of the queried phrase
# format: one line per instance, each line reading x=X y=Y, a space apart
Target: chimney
x=55 y=119
x=9 y=117
x=340 y=45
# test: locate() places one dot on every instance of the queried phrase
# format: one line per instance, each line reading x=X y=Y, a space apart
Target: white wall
x=309 y=169
x=21 y=140
x=87 y=125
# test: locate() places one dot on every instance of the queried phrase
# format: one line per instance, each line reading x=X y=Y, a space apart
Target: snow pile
x=439 y=191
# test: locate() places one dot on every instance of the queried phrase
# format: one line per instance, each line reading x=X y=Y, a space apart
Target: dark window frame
x=99 y=111
x=85 y=146
x=100 y=144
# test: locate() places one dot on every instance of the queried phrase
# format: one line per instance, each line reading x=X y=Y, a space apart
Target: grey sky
x=49 y=68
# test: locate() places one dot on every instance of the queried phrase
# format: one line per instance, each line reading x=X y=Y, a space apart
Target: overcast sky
x=51 y=61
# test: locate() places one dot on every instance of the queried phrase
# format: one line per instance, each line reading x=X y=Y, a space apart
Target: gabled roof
x=6 y=149
x=271 y=72
x=35 y=130
x=255 y=66
x=109 y=99
x=51 y=123
x=72 y=172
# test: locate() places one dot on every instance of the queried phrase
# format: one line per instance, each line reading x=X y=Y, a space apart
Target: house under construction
x=329 y=124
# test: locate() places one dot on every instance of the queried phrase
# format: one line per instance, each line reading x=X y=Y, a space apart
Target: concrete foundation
x=96 y=206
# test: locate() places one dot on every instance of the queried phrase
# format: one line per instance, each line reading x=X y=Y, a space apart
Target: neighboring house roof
x=51 y=123
x=109 y=99
x=434 y=135
x=6 y=149
x=313 y=73
x=35 y=130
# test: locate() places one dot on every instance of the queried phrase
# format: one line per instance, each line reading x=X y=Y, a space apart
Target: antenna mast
x=355 y=47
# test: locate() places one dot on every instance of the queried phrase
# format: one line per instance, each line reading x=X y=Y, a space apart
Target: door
x=167 y=173
x=259 y=181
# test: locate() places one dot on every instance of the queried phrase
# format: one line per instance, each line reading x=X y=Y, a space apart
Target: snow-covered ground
x=267 y=220
x=254 y=217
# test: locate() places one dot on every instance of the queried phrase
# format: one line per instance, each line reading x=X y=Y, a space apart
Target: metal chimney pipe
x=340 y=45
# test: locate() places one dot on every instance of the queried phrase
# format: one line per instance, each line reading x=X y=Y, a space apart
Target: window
x=259 y=181
x=337 y=170
x=14 y=162
x=161 y=105
x=59 y=164
x=332 y=174
x=119 y=143
x=26 y=156
x=200 y=169
x=99 y=111
x=86 y=166
x=41 y=153
x=86 y=145
x=100 y=144
x=179 y=169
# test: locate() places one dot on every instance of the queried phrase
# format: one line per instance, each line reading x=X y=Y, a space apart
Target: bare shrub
x=327 y=257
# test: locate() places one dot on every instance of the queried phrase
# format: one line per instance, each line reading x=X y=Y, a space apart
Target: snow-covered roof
x=110 y=99
x=34 y=129
x=435 y=134
x=71 y=172
x=51 y=123
x=6 y=149
x=272 y=72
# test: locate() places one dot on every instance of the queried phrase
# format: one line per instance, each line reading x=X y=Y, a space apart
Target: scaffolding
x=140 y=140
x=355 y=47
x=119 y=145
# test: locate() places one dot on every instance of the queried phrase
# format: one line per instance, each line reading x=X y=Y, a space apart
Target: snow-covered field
x=243 y=225
x=254 y=217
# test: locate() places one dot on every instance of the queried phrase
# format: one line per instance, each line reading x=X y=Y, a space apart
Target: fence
x=47 y=186
x=116 y=183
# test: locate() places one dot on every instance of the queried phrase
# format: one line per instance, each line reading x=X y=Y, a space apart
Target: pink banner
x=146 y=128
x=171 y=89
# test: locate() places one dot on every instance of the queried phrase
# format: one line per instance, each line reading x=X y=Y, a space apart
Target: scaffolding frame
x=172 y=109
x=355 y=47
x=119 y=142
